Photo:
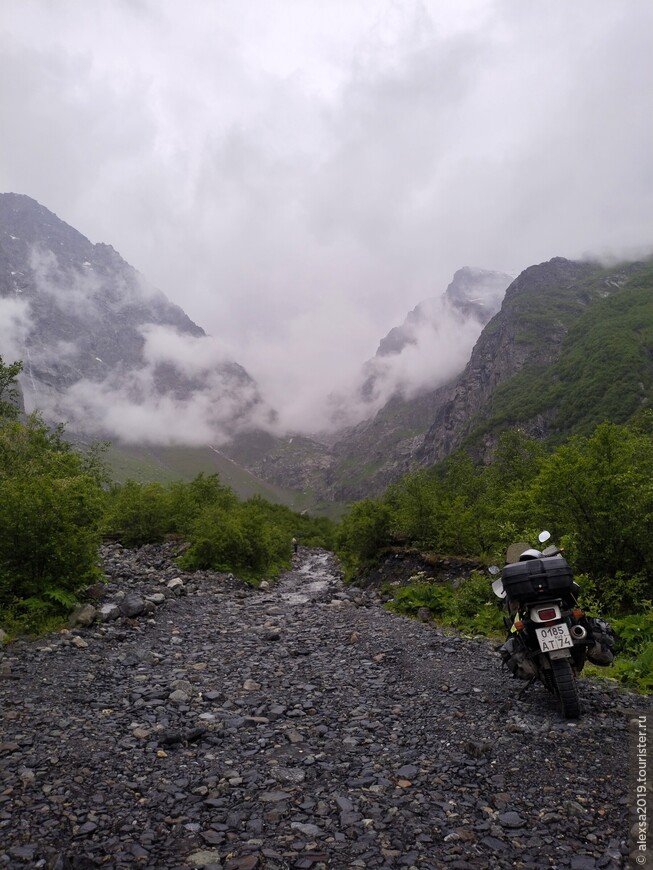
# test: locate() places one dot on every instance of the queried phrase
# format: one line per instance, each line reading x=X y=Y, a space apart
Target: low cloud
x=298 y=175
x=14 y=327
x=192 y=355
x=184 y=393
x=132 y=412
x=435 y=345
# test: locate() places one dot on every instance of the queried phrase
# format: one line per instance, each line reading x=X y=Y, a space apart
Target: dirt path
x=303 y=727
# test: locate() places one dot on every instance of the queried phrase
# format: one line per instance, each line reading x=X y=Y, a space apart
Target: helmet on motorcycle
x=530 y=554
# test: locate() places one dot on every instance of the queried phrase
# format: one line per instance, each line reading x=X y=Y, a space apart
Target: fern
x=59 y=596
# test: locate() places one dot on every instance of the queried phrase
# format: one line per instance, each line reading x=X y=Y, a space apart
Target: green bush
x=636 y=672
x=363 y=532
x=471 y=608
x=633 y=665
x=251 y=538
x=475 y=609
x=51 y=504
x=435 y=597
x=138 y=513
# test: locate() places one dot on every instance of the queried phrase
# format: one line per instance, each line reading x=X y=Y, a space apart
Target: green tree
x=363 y=532
x=50 y=511
x=598 y=491
x=416 y=506
x=9 y=392
x=138 y=513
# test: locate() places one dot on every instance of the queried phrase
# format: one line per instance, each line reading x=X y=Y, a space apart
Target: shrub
x=138 y=513
x=435 y=597
x=50 y=510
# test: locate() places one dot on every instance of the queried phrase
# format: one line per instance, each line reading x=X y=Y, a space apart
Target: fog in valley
x=299 y=176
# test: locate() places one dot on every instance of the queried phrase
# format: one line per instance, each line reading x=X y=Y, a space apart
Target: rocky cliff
x=516 y=374
x=362 y=459
x=572 y=345
x=98 y=343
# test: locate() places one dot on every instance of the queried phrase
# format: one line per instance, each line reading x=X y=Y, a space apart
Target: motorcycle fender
x=552 y=605
x=560 y=653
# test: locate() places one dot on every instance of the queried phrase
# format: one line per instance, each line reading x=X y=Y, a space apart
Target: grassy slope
x=605 y=370
x=165 y=464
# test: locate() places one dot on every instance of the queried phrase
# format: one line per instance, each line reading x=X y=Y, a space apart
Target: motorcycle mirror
x=494 y=569
x=543 y=536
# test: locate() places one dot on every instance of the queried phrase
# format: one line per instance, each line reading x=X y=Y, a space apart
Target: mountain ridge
x=98 y=341
x=570 y=341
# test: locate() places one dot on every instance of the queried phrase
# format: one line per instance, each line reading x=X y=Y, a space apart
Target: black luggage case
x=537 y=579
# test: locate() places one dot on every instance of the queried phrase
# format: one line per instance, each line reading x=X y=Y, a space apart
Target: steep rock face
x=295 y=462
x=472 y=294
x=83 y=299
x=528 y=332
x=435 y=340
x=86 y=324
x=372 y=455
x=559 y=321
x=378 y=451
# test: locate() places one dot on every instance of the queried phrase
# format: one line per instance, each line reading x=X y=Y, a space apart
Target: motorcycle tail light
x=547 y=615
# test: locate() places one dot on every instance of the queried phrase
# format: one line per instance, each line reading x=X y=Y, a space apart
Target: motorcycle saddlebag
x=536 y=579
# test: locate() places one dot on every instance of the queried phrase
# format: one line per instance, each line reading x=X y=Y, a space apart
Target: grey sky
x=297 y=174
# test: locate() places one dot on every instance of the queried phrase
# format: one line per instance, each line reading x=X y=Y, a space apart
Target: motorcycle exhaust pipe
x=578 y=632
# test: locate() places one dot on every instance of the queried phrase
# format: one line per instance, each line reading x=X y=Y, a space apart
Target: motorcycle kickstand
x=526 y=688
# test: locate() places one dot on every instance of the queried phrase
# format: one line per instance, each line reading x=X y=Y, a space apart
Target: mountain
x=571 y=347
x=101 y=347
x=396 y=395
x=432 y=344
x=473 y=294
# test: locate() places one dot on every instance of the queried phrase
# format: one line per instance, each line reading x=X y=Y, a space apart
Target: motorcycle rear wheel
x=564 y=678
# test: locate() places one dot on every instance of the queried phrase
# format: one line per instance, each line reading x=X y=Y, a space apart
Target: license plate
x=554 y=637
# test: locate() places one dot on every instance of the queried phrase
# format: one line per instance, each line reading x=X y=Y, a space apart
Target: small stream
x=314 y=577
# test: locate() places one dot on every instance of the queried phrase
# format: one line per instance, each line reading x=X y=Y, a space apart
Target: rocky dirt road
x=301 y=727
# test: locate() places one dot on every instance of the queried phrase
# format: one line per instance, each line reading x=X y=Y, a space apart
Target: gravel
x=300 y=727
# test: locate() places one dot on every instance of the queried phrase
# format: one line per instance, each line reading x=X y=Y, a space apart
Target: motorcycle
x=550 y=637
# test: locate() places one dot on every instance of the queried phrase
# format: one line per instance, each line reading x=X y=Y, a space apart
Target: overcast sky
x=298 y=174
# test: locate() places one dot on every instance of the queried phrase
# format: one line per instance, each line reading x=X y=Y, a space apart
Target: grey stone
x=156 y=598
x=309 y=830
x=83 y=616
x=108 y=612
x=204 y=858
x=132 y=605
x=511 y=819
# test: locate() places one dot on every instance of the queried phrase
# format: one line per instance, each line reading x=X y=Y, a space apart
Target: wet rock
x=132 y=605
x=79 y=642
x=82 y=616
x=511 y=820
x=203 y=858
x=108 y=612
x=336 y=745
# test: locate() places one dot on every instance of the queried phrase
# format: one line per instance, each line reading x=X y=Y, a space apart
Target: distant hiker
x=295 y=545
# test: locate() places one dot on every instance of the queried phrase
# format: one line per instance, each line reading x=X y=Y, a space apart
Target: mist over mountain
x=111 y=355
x=570 y=347
x=104 y=350
x=567 y=344
x=436 y=338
